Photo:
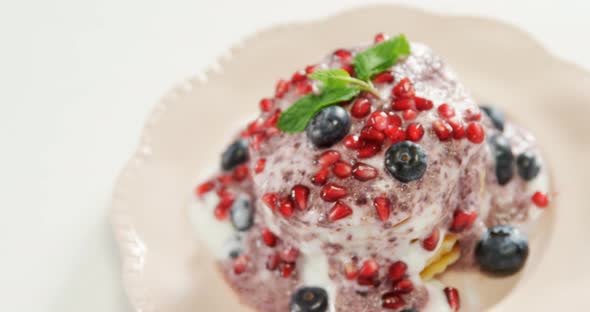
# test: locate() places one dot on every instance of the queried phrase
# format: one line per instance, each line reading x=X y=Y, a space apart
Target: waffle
x=448 y=253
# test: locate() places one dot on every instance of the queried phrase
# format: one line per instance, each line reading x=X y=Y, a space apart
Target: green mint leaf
x=296 y=117
x=379 y=58
x=331 y=78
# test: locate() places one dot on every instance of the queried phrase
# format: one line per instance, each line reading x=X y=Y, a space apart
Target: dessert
x=364 y=177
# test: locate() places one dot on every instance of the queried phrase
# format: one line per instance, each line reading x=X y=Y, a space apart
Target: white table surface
x=78 y=78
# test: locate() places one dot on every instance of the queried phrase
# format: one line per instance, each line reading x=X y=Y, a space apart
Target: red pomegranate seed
x=286 y=269
x=423 y=104
x=369 y=133
x=281 y=88
x=458 y=129
x=360 y=108
x=350 y=271
x=364 y=172
x=394 y=120
x=409 y=114
x=383 y=207
x=395 y=134
x=401 y=104
x=328 y=158
x=303 y=87
x=204 y=188
x=392 y=300
x=369 y=149
x=272 y=120
x=241 y=172
x=220 y=212
x=269 y=238
x=384 y=77
x=379 y=120
x=446 y=111
x=349 y=69
x=272 y=262
x=430 y=242
x=462 y=220
x=403 y=286
x=343 y=55
x=352 y=142
x=380 y=37
x=453 y=298
x=442 y=130
x=321 y=177
x=403 y=89
x=474 y=133
x=342 y=169
x=266 y=104
x=259 y=167
x=397 y=270
x=225 y=179
x=310 y=69
x=240 y=264
x=270 y=199
x=298 y=76
x=300 y=196
x=289 y=254
x=472 y=114
x=415 y=132
x=369 y=269
x=338 y=212
x=540 y=199
x=286 y=207
x=257 y=140
x=256 y=125
x=333 y=192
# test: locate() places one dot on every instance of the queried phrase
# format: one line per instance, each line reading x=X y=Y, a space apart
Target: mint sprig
x=338 y=86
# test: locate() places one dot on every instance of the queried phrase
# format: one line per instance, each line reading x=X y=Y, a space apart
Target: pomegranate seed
x=472 y=114
x=281 y=88
x=272 y=120
x=369 y=133
x=266 y=104
x=453 y=298
x=342 y=169
x=403 y=89
x=220 y=212
x=333 y=192
x=350 y=271
x=369 y=269
x=303 y=87
x=270 y=199
x=352 y=142
x=397 y=270
x=225 y=179
x=446 y=111
x=339 y=211
x=273 y=261
x=310 y=69
x=474 y=133
x=364 y=172
x=286 y=269
x=369 y=149
x=321 y=177
x=458 y=129
x=380 y=37
x=379 y=120
x=363 y=281
x=256 y=126
x=391 y=300
x=259 y=167
x=240 y=173
x=394 y=120
x=360 y=108
x=384 y=77
x=298 y=76
x=349 y=69
x=343 y=55
x=430 y=242
x=540 y=200
x=300 y=195
x=400 y=104
x=289 y=254
x=269 y=238
x=328 y=158
x=403 y=286
x=423 y=104
x=257 y=140
x=204 y=188
x=442 y=130
x=409 y=114
x=415 y=132
x=286 y=207
x=395 y=134
x=383 y=206
x=462 y=220
x=240 y=264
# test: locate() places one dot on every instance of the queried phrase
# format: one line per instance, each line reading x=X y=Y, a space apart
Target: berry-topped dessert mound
x=364 y=177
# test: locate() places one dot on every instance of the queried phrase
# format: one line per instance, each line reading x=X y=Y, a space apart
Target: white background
x=77 y=80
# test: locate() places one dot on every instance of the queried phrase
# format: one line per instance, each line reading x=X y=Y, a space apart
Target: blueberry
x=504 y=159
x=496 y=116
x=406 y=161
x=309 y=299
x=527 y=165
x=502 y=250
x=328 y=126
x=242 y=214
x=234 y=246
x=235 y=154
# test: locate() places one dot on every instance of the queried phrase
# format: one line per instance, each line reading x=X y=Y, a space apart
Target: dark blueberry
x=502 y=250
x=242 y=214
x=309 y=299
x=527 y=165
x=406 y=161
x=504 y=159
x=235 y=154
x=496 y=116
x=234 y=246
x=328 y=126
